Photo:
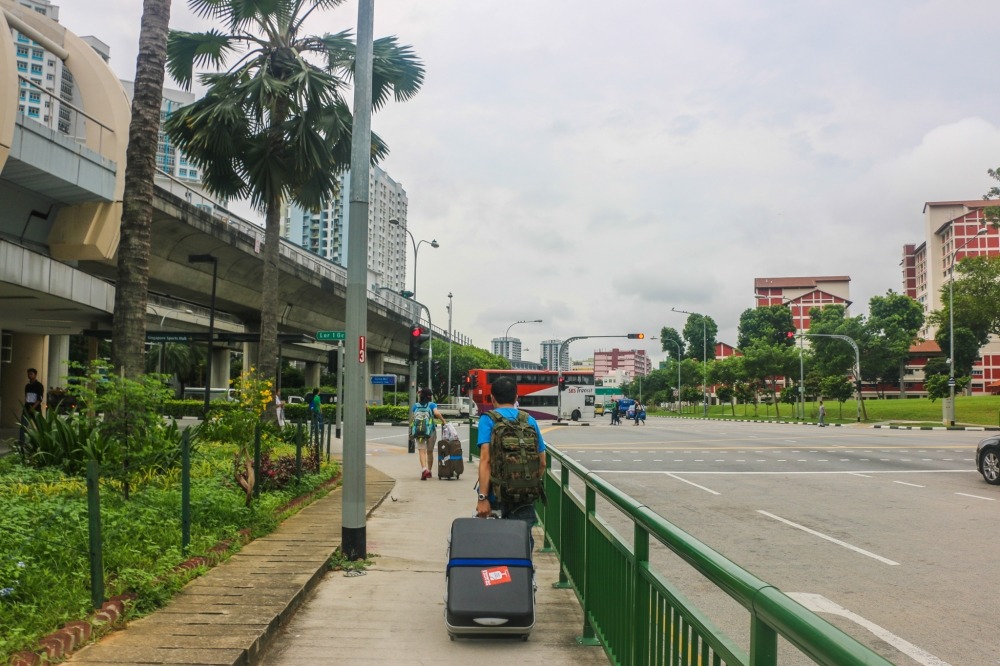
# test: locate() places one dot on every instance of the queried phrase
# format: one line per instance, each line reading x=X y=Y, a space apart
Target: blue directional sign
x=385 y=380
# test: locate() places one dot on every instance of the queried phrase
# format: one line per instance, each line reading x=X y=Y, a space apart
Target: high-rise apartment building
x=550 y=352
x=509 y=348
x=325 y=231
x=169 y=159
x=43 y=82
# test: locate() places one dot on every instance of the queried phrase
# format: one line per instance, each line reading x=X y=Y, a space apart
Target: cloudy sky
x=595 y=164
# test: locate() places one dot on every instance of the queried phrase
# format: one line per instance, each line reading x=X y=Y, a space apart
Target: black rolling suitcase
x=450 y=462
x=490 y=579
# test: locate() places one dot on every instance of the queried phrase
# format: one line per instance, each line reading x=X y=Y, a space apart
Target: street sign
x=384 y=380
x=326 y=336
x=951 y=381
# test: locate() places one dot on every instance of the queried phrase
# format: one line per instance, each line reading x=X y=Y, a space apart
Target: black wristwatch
x=482 y=497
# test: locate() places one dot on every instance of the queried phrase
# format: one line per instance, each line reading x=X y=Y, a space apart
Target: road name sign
x=385 y=380
x=331 y=335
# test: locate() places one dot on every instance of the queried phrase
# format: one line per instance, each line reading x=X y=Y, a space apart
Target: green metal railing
x=635 y=612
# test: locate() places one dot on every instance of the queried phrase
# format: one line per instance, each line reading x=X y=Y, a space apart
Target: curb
x=702 y=418
x=60 y=644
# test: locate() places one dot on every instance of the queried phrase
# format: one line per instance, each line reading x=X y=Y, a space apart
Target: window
x=22 y=51
x=6 y=347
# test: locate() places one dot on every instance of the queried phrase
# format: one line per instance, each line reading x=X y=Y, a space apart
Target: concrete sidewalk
x=274 y=603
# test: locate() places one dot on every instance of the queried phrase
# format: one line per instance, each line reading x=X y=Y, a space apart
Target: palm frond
x=185 y=50
x=395 y=67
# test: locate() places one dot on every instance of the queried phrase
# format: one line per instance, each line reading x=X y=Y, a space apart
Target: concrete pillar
x=220 y=367
x=374 y=393
x=312 y=374
x=58 y=360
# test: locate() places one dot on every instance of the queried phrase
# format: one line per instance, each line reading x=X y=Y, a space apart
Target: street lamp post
x=208 y=259
x=704 y=353
x=801 y=401
x=949 y=409
x=413 y=366
x=678 y=345
x=449 y=346
x=857 y=359
x=506 y=336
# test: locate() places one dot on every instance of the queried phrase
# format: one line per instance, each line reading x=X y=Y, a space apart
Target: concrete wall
x=28 y=351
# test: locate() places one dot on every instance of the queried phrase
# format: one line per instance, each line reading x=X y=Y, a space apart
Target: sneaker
x=426 y=474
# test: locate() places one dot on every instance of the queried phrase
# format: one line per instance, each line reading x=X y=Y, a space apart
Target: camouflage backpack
x=515 y=462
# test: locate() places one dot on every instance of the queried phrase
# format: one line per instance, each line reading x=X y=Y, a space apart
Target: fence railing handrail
x=770 y=609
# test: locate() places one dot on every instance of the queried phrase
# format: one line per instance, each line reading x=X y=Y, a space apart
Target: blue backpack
x=422 y=425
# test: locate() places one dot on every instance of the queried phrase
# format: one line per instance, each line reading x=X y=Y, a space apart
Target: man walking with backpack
x=511 y=457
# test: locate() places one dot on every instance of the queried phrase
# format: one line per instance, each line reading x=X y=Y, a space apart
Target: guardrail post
x=640 y=611
x=298 y=454
x=589 y=636
x=560 y=547
x=186 y=490
x=94 y=531
x=763 y=643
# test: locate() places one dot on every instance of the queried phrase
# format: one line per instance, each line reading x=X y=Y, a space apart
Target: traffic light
x=436 y=370
x=636 y=336
x=332 y=357
x=790 y=334
x=562 y=383
x=418 y=336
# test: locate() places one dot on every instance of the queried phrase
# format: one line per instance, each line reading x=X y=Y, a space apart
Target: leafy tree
x=671 y=342
x=976 y=300
x=837 y=388
x=766 y=362
x=936 y=366
x=770 y=324
x=276 y=126
x=699 y=333
x=727 y=374
x=894 y=320
x=182 y=361
x=465 y=358
x=993 y=212
x=131 y=287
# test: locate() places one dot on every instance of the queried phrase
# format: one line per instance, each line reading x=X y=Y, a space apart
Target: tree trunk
x=129 y=327
x=267 y=352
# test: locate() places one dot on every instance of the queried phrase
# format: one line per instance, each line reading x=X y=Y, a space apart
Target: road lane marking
x=707 y=490
x=904 y=483
x=819 y=604
x=988 y=499
x=829 y=538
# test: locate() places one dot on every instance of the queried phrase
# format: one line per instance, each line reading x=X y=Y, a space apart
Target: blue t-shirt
x=486 y=425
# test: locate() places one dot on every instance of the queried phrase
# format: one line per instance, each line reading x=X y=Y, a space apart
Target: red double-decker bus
x=537 y=392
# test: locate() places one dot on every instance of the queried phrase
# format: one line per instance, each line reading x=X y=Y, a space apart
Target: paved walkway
x=275 y=604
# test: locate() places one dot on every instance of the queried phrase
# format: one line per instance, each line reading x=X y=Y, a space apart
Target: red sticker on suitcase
x=496 y=576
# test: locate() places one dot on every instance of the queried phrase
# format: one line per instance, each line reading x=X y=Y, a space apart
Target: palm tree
x=129 y=327
x=275 y=126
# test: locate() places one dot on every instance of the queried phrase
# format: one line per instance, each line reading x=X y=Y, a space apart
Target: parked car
x=292 y=399
x=988 y=459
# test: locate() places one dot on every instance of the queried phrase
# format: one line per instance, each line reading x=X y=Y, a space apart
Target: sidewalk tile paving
x=274 y=603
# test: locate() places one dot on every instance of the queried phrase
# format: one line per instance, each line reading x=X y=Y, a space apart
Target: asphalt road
x=887 y=534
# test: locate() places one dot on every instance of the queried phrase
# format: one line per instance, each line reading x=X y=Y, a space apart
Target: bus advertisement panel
x=537 y=392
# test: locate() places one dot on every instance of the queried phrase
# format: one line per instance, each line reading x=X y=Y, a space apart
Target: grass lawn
x=969 y=411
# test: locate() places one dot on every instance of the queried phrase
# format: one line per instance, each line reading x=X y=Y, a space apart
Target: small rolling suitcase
x=490 y=579
x=450 y=463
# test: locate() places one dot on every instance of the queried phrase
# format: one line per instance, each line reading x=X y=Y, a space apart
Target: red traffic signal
x=418 y=336
x=790 y=334
x=562 y=383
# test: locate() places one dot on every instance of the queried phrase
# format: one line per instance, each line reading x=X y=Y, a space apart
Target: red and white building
x=801 y=294
x=952 y=232
x=627 y=363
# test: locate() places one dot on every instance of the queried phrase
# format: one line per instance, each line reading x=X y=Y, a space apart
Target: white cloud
x=596 y=164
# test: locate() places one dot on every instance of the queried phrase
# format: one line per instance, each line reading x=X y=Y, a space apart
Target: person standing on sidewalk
x=503 y=397
x=33 y=392
x=423 y=429
x=822 y=414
